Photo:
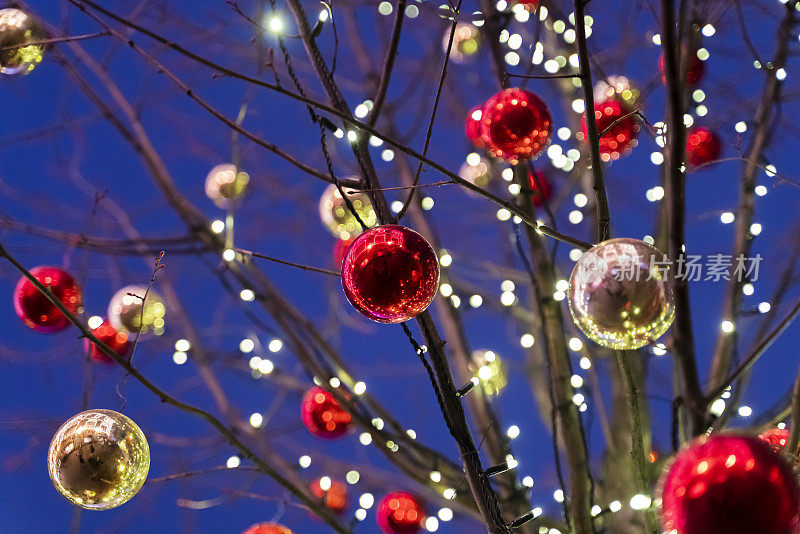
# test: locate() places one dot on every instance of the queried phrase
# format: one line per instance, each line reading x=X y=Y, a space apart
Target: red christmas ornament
x=702 y=146
x=267 y=528
x=334 y=497
x=621 y=138
x=515 y=125
x=529 y=3
x=322 y=414
x=540 y=187
x=33 y=307
x=697 y=69
x=340 y=249
x=777 y=438
x=116 y=341
x=390 y=274
x=729 y=484
x=473 y=127
x=399 y=512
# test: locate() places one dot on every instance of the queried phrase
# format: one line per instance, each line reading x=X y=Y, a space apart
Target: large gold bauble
x=18 y=29
x=337 y=216
x=619 y=295
x=98 y=459
x=225 y=183
x=125 y=311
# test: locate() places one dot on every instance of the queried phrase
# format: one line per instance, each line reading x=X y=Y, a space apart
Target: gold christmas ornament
x=489 y=370
x=476 y=170
x=225 y=183
x=98 y=459
x=619 y=295
x=466 y=42
x=18 y=29
x=337 y=216
x=125 y=311
x=618 y=88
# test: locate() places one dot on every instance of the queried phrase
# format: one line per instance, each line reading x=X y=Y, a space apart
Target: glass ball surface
x=617 y=299
x=125 y=311
x=225 y=183
x=98 y=459
x=35 y=310
x=337 y=216
x=19 y=29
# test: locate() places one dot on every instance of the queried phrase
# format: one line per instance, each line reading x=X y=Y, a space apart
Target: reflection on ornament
x=619 y=296
x=777 y=438
x=125 y=311
x=225 y=183
x=473 y=126
x=399 y=512
x=267 y=528
x=337 y=216
x=616 y=88
x=390 y=274
x=490 y=370
x=515 y=125
x=702 y=147
x=729 y=484
x=18 y=29
x=540 y=187
x=98 y=459
x=466 y=42
x=35 y=310
x=619 y=139
x=696 y=72
x=476 y=170
x=116 y=341
x=322 y=414
x=331 y=492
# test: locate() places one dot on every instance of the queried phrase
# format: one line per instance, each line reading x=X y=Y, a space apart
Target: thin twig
x=289 y=263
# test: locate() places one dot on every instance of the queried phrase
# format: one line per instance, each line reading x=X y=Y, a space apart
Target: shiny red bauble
x=334 y=497
x=702 y=146
x=729 y=484
x=777 y=438
x=400 y=512
x=267 y=528
x=619 y=139
x=540 y=187
x=340 y=249
x=697 y=69
x=473 y=126
x=322 y=414
x=33 y=307
x=116 y=341
x=390 y=274
x=515 y=125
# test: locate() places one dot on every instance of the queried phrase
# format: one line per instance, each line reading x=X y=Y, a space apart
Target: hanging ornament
x=18 y=29
x=473 y=127
x=331 y=492
x=617 y=88
x=702 y=146
x=340 y=249
x=35 y=310
x=696 y=72
x=126 y=315
x=529 y=4
x=515 y=124
x=619 y=295
x=540 y=187
x=619 y=139
x=98 y=459
x=337 y=216
x=322 y=414
x=489 y=370
x=225 y=183
x=466 y=42
x=400 y=512
x=116 y=341
x=390 y=274
x=476 y=170
x=729 y=484
x=267 y=528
